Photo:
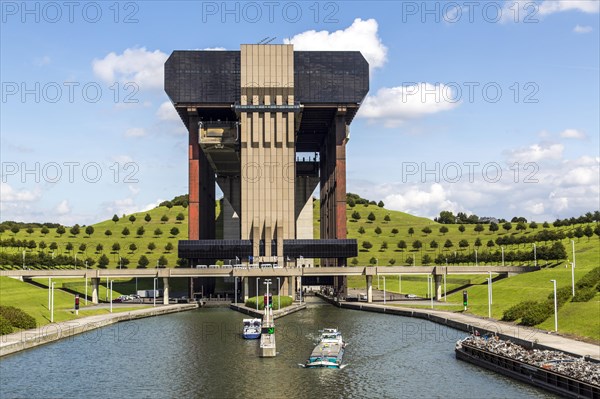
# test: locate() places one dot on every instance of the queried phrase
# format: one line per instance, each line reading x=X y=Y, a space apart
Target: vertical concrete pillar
x=291 y=286
x=95 y=283
x=245 y=292
x=369 y=289
x=438 y=286
x=165 y=290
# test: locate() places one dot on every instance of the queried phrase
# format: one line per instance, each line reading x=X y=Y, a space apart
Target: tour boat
x=252 y=328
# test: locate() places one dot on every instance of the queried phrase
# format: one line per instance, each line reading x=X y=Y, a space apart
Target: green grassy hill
x=576 y=318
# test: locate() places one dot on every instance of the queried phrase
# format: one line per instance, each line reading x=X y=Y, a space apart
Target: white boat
x=252 y=328
x=329 y=351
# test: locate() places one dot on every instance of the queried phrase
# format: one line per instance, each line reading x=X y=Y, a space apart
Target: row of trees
x=89 y=230
x=555 y=252
x=83 y=247
x=354 y=199
x=371 y=217
x=44 y=260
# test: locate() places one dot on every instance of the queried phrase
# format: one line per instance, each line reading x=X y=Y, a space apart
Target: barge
x=542 y=375
x=329 y=351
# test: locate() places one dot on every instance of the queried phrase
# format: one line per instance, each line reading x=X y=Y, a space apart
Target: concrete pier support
x=165 y=290
x=369 y=288
x=245 y=290
x=291 y=286
x=95 y=283
x=438 y=286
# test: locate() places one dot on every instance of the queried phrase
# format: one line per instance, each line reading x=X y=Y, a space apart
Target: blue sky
x=481 y=107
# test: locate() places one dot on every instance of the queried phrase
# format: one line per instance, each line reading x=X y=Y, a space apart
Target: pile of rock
x=559 y=362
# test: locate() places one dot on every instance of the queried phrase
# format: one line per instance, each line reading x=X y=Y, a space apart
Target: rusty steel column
x=194 y=178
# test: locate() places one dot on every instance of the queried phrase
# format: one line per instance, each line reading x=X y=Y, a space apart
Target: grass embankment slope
x=577 y=318
x=34 y=301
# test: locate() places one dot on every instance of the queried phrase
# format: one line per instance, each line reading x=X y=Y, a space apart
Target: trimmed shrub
x=17 y=318
x=537 y=313
x=590 y=279
x=285 y=301
x=5 y=327
x=517 y=311
x=584 y=295
x=563 y=295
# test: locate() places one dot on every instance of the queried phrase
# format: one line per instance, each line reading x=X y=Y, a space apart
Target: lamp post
x=573 y=278
x=490 y=296
x=300 y=284
x=573 y=268
x=502 y=255
x=383 y=289
x=534 y=255
x=555 y=307
x=430 y=288
x=23 y=259
x=235 y=290
x=52 y=303
x=49 y=291
x=154 y=291
x=111 y=301
x=278 y=296
x=377 y=264
x=258 y=278
x=476 y=264
x=86 y=281
x=75 y=264
x=267 y=283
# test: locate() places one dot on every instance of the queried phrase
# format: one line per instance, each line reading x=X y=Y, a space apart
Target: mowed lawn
x=34 y=301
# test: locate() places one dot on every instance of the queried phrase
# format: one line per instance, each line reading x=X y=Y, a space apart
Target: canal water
x=201 y=354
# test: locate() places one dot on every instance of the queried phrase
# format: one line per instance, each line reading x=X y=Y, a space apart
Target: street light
x=383 y=277
x=429 y=286
x=489 y=279
x=23 y=259
x=502 y=255
x=534 y=255
x=154 y=291
x=278 y=296
x=400 y=283
x=267 y=282
x=555 y=308
x=258 y=278
x=476 y=258
x=86 y=282
x=573 y=268
x=111 y=301
x=52 y=303
x=75 y=264
x=235 y=289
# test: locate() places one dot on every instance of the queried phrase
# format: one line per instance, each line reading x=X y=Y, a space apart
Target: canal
x=201 y=354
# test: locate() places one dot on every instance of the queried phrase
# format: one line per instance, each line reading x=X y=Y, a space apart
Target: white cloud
x=582 y=29
x=537 y=152
x=138 y=65
x=428 y=202
x=214 y=49
x=360 y=36
x=127 y=206
x=166 y=112
x=135 y=132
x=553 y=6
x=572 y=134
x=536 y=208
x=63 y=207
x=9 y=194
x=397 y=104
